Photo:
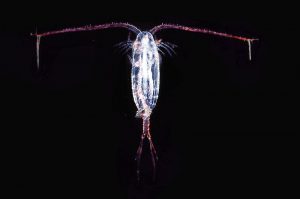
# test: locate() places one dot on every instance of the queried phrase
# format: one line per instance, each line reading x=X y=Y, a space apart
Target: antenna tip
x=34 y=34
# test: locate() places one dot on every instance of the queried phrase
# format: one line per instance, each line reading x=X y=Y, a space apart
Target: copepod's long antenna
x=82 y=29
x=205 y=31
x=154 y=157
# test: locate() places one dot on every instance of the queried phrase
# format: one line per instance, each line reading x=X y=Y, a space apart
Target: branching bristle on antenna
x=38 y=41
x=249 y=49
x=249 y=41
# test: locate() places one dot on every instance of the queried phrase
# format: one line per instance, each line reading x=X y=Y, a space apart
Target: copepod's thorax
x=145 y=73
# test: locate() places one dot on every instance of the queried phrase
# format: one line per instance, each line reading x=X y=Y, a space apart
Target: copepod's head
x=144 y=39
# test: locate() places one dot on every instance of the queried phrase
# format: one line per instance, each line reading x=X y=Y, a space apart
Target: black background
x=222 y=124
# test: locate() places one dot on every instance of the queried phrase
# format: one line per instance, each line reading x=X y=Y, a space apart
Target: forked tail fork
x=154 y=157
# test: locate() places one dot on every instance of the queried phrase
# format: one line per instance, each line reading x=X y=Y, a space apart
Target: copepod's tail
x=154 y=157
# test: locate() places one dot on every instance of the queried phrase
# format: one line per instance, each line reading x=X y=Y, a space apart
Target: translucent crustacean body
x=145 y=74
x=145 y=84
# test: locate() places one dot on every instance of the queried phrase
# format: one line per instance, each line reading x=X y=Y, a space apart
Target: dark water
x=223 y=126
